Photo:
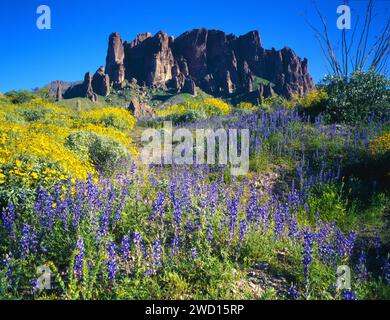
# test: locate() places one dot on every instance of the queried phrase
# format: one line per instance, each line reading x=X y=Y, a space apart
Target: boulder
x=139 y=109
x=87 y=88
x=101 y=82
x=189 y=86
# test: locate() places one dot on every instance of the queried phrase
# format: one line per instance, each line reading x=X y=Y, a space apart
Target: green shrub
x=354 y=99
x=20 y=97
x=103 y=151
x=112 y=121
x=32 y=115
x=313 y=103
x=187 y=116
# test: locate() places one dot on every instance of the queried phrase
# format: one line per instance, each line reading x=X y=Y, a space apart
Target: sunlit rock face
x=216 y=62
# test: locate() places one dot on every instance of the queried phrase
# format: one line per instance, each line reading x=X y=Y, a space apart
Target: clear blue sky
x=77 y=42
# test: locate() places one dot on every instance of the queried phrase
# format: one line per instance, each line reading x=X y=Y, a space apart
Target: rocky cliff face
x=218 y=63
x=149 y=59
x=115 y=59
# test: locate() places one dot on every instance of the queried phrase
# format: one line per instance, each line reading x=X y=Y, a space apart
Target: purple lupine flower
x=8 y=215
x=362 y=265
x=279 y=220
x=194 y=253
x=111 y=261
x=175 y=245
x=155 y=257
x=92 y=194
x=293 y=293
x=107 y=212
x=232 y=212
x=293 y=228
x=122 y=202
x=79 y=259
x=75 y=202
x=386 y=271
x=344 y=244
x=136 y=238
x=325 y=243
x=213 y=198
x=209 y=232
x=349 y=295
x=6 y=263
x=307 y=259
x=125 y=248
x=60 y=206
x=28 y=241
x=252 y=207
x=176 y=204
x=158 y=208
x=263 y=215
x=44 y=206
x=243 y=229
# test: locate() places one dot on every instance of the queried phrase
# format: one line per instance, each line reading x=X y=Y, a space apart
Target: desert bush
x=110 y=117
x=34 y=149
x=32 y=115
x=246 y=107
x=380 y=145
x=20 y=97
x=187 y=116
x=277 y=101
x=103 y=151
x=209 y=107
x=357 y=97
x=313 y=103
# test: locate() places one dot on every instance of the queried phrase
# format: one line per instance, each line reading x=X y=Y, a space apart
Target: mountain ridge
x=218 y=63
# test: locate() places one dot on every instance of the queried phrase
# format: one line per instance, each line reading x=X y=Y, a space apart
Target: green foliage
x=357 y=97
x=188 y=116
x=313 y=103
x=33 y=115
x=328 y=200
x=103 y=151
x=277 y=101
x=20 y=97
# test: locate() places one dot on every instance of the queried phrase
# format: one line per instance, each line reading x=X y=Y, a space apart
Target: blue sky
x=77 y=42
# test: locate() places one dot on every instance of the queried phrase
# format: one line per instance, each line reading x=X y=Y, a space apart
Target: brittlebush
x=210 y=106
x=33 y=140
x=380 y=145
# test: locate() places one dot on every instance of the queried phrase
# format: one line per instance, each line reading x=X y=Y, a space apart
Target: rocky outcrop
x=139 y=109
x=247 y=77
x=286 y=71
x=87 y=88
x=82 y=89
x=150 y=59
x=59 y=94
x=218 y=63
x=101 y=83
x=115 y=59
x=263 y=92
x=189 y=86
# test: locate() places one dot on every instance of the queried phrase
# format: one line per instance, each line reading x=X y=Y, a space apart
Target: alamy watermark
x=184 y=147
x=44 y=19
x=44 y=280
x=344 y=20
x=343 y=278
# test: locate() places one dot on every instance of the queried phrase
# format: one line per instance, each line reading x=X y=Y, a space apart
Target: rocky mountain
x=218 y=63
